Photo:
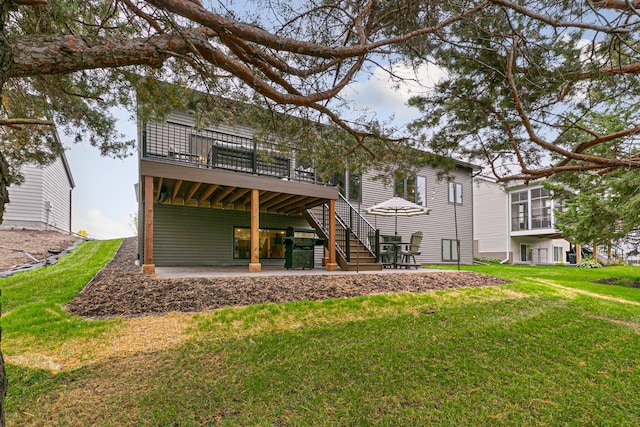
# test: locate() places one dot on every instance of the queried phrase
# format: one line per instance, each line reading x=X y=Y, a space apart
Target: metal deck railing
x=179 y=143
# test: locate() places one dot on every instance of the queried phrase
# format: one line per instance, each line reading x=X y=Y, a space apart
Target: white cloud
x=100 y=227
x=384 y=95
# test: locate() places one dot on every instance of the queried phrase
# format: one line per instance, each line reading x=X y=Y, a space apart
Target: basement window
x=271 y=243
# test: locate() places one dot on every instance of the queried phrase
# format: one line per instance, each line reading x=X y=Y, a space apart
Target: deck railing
x=348 y=222
x=178 y=143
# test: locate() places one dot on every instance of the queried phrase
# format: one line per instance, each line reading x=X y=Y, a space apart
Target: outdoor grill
x=299 y=247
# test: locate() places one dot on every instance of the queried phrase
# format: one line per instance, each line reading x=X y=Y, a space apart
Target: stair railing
x=348 y=222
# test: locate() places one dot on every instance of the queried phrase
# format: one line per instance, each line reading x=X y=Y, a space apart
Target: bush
x=589 y=263
x=488 y=260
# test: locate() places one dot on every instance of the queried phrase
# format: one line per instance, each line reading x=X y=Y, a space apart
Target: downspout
x=508 y=221
x=70 y=209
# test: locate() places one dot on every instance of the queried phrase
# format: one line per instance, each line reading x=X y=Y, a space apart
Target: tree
x=68 y=63
x=599 y=207
x=512 y=72
x=520 y=80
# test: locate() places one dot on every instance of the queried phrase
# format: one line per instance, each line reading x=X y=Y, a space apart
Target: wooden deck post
x=148 y=267
x=254 y=265
x=331 y=265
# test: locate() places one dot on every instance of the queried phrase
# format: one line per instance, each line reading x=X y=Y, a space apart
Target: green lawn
x=32 y=301
x=550 y=349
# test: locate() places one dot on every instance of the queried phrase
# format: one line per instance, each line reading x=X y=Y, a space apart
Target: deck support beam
x=331 y=264
x=148 y=267
x=254 y=265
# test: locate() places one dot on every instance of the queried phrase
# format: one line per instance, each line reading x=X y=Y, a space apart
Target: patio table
x=397 y=246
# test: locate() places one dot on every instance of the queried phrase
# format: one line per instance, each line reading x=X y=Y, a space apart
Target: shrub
x=589 y=263
x=488 y=260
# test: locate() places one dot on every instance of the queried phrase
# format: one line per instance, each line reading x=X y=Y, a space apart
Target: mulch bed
x=120 y=289
x=617 y=281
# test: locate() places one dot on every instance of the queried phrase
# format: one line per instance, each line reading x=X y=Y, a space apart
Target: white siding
x=438 y=225
x=25 y=209
x=490 y=219
x=56 y=189
x=28 y=201
x=542 y=249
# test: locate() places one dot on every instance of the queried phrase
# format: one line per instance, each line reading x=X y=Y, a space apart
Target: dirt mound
x=35 y=243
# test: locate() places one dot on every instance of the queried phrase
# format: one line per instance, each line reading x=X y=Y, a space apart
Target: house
x=43 y=200
x=516 y=223
x=224 y=196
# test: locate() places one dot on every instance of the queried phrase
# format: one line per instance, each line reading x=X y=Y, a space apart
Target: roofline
x=63 y=156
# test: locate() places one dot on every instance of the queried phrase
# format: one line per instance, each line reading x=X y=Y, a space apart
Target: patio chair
x=387 y=255
x=412 y=250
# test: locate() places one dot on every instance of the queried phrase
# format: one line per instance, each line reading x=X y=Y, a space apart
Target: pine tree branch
x=21 y=121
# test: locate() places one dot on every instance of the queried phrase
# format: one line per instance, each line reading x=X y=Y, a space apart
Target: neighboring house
x=43 y=200
x=515 y=223
x=220 y=197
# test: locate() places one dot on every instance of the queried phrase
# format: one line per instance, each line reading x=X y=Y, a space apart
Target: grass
x=552 y=348
x=32 y=301
x=575 y=278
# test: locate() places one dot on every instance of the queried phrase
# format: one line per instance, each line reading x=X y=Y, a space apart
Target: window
x=557 y=254
x=450 y=250
x=540 y=208
x=355 y=187
x=413 y=189
x=338 y=180
x=520 y=211
x=271 y=243
x=421 y=191
x=525 y=252
x=455 y=193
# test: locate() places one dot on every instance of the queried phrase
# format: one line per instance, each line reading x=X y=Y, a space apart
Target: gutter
x=506 y=260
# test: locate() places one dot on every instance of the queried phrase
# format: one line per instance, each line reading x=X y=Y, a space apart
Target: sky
x=104 y=199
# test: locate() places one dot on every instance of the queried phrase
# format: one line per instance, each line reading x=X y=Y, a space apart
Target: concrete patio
x=242 y=271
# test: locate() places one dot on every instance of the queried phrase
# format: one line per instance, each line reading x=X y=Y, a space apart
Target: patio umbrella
x=397 y=206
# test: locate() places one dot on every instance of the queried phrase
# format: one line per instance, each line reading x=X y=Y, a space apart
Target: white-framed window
x=520 y=211
x=450 y=250
x=421 y=190
x=540 y=208
x=455 y=193
x=558 y=251
x=413 y=189
x=525 y=252
x=355 y=187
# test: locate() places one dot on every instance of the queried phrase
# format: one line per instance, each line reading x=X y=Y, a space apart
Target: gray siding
x=438 y=225
x=199 y=237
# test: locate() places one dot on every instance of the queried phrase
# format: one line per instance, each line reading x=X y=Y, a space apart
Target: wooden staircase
x=361 y=258
x=352 y=253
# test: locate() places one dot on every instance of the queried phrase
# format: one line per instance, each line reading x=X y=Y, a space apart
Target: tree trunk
x=5 y=63
x=4 y=184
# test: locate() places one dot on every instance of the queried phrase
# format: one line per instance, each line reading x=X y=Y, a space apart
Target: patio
x=271 y=271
